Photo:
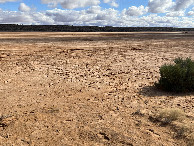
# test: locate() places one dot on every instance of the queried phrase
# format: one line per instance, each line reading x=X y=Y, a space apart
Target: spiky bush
x=178 y=77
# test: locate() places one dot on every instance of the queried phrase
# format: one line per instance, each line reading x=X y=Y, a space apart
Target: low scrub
x=177 y=77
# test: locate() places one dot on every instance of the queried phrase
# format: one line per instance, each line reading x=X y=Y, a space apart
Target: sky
x=122 y=13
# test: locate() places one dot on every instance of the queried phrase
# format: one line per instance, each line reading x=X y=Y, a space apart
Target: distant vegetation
x=71 y=28
x=178 y=77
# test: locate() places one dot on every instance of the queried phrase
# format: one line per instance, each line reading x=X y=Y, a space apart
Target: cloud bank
x=174 y=14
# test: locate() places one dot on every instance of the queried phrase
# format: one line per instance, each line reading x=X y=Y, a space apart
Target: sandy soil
x=60 y=89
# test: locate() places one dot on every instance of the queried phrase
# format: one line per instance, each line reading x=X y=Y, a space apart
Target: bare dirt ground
x=60 y=89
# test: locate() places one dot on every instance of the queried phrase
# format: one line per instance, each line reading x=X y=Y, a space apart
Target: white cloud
x=4 y=1
x=176 y=14
x=14 y=17
x=136 y=11
x=40 y=18
x=92 y=16
x=72 y=4
x=113 y=3
x=191 y=13
x=94 y=10
x=24 y=8
x=63 y=15
x=155 y=20
x=164 y=6
x=105 y=15
x=160 y=6
x=106 y=1
x=182 y=4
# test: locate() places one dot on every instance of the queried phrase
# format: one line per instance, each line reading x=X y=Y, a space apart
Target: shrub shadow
x=151 y=91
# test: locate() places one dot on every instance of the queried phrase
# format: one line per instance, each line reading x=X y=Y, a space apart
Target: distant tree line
x=69 y=28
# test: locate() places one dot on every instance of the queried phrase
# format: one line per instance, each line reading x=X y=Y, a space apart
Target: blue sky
x=132 y=13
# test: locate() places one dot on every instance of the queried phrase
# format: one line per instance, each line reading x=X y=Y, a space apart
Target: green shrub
x=178 y=77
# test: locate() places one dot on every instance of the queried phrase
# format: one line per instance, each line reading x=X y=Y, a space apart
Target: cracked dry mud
x=59 y=89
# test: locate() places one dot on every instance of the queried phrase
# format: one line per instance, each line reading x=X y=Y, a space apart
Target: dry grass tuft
x=166 y=116
x=182 y=126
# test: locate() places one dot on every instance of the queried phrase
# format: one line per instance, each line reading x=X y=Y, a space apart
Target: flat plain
x=60 y=89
